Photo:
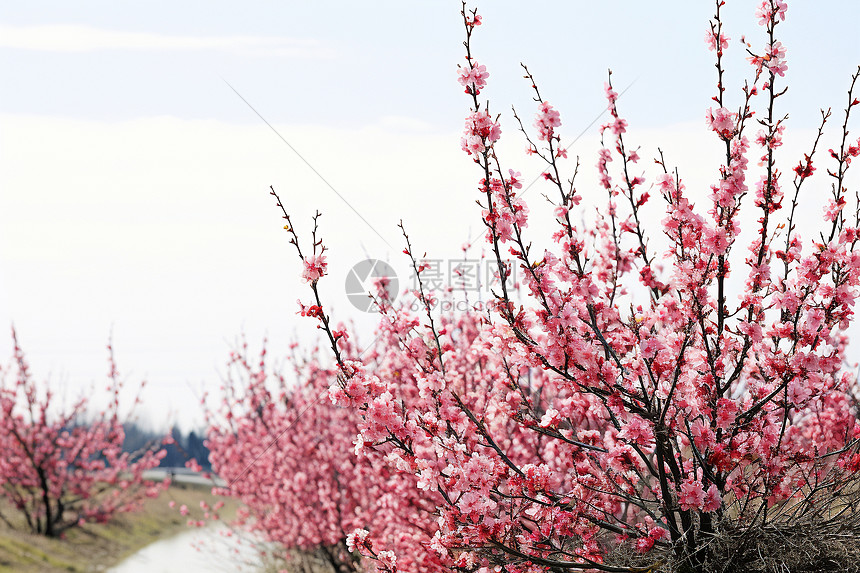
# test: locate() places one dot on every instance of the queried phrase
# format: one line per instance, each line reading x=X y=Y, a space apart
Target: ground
x=95 y=547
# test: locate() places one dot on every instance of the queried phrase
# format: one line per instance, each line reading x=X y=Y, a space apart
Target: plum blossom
x=713 y=499
x=356 y=539
x=637 y=431
x=550 y=418
x=481 y=132
x=314 y=268
x=713 y=44
x=722 y=121
x=775 y=60
x=692 y=496
x=473 y=77
x=388 y=560
x=546 y=121
x=768 y=10
x=611 y=95
x=727 y=409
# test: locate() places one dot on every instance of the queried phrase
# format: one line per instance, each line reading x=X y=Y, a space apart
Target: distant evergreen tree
x=196 y=448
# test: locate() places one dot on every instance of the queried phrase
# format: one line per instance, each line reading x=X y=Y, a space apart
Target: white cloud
x=73 y=38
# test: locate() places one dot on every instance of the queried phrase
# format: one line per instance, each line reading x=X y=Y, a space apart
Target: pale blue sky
x=132 y=179
x=354 y=62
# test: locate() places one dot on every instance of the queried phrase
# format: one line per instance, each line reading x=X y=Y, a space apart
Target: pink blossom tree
x=639 y=401
x=61 y=465
x=288 y=453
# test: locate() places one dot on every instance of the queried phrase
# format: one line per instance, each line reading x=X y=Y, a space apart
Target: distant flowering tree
x=288 y=454
x=640 y=404
x=61 y=465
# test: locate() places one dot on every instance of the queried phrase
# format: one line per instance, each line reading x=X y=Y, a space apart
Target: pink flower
x=473 y=78
x=472 y=144
x=315 y=267
x=658 y=533
x=831 y=212
x=713 y=499
x=692 y=496
x=604 y=157
x=481 y=132
x=619 y=126
x=638 y=431
x=716 y=241
x=472 y=502
x=388 y=559
x=550 y=418
x=727 y=410
x=644 y=544
x=775 y=59
x=721 y=121
x=765 y=12
x=751 y=329
x=805 y=169
x=546 y=121
x=703 y=437
x=193 y=465
x=356 y=539
x=611 y=95
x=666 y=182
x=711 y=41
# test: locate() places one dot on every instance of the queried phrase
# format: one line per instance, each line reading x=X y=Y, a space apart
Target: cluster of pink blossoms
x=732 y=185
x=714 y=42
x=481 y=132
x=315 y=267
x=508 y=210
x=546 y=121
x=473 y=77
x=618 y=125
x=634 y=398
x=771 y=11
x=305 y=487
x=775 y=59
x=722 y=121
